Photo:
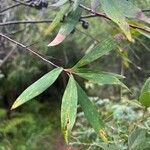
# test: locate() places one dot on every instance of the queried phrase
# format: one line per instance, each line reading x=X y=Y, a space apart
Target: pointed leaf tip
x=69 y=108
x=37 y=87
x=58 y=39
x=15 y=105
x=67 y=27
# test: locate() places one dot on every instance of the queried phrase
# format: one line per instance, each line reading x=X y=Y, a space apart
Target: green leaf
x=127 y=8
x=145 y=94
x=101 y=49
x=38 y=87
x=114 y=13
x=145 y=99
x=91 y=113
x=146 y=86
x=69 y=108
x=130 y=10
x=69 y=24
x=59 y=3
x=57 y=19
x=99 y=77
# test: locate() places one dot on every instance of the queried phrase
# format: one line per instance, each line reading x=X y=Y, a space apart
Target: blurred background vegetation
x=36 y=125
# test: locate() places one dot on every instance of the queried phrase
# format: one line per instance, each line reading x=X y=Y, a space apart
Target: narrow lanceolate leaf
x=69 y=108
x=59 y=3
x=69 y=24
x=112 y=11
x=57 y=20
x=145 y=94
x=38 y=87
x=101 y=49
x=133 y=11
x=91 y=113
x=99 y=77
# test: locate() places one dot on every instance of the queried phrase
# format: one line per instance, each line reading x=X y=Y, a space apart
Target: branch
x=10 y=7
x=94 y=14
x=25 y=22
x=21 y=3
x=137 y=27
x=25 y=47
x=36 y=21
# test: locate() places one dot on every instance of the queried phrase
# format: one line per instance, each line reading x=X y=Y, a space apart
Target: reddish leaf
x=58 y=39
x=67 y=27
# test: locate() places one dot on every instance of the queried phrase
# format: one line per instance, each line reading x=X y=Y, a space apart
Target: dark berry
x=85 y=24
x=45 y=4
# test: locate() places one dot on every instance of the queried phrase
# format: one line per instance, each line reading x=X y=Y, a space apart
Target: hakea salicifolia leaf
x=91 y=114
x=145 y=94
x=70 y=21
x=38 y=87
x=57 y=20
x=100 y=77
x=72 y=95
x=101 y=49
x=131 y=11
x=118 y=10
x=69 y=108
x=112 y=11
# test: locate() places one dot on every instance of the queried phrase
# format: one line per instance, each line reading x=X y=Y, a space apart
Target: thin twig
x=35 y=21
x=88 y=16
x=24 y=22
x=10 y=7
x=25 y=47
x=22 y=3
x=137 y=27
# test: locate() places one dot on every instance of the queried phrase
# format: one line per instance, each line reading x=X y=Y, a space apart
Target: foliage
x=132 y=23
x=145 y=94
